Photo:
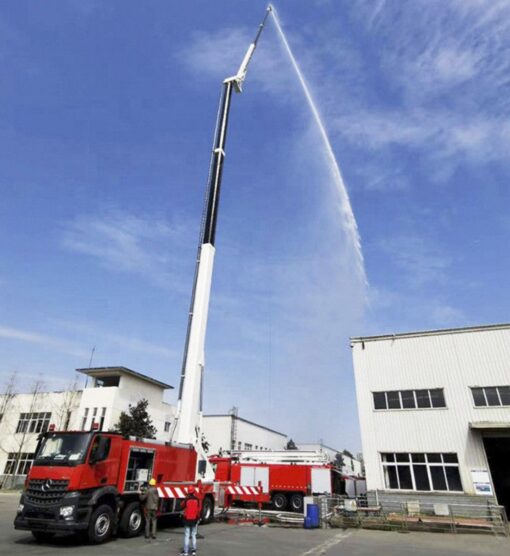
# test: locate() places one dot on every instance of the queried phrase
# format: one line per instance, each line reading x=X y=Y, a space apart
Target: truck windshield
x=62 y=449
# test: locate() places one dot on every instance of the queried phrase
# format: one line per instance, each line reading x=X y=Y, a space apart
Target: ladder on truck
x=290 y=457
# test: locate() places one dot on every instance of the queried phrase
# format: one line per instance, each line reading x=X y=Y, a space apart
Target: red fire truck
x=88 y=481
x=286 y=476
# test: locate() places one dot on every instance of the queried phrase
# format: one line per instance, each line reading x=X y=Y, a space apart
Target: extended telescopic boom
x=188 y=421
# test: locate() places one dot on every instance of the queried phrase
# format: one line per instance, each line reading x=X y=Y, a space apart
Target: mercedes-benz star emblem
x=47 y=485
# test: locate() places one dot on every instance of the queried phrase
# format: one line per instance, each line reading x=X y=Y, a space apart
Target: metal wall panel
x=455 y=361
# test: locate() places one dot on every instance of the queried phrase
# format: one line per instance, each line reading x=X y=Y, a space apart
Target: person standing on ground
x=191 y=515
x=150 y=501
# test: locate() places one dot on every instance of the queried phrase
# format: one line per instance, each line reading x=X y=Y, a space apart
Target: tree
x=22 y=437
x=291 y=445
x=136 y=422
x=339 y=461
x=69 y=404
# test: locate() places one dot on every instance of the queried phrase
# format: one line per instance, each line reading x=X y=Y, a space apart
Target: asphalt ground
x=220 y=539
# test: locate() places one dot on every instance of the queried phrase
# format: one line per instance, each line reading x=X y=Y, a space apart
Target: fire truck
x=286 y=476
x=88 y=482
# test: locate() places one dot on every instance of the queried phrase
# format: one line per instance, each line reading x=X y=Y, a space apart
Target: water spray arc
x=348 y=219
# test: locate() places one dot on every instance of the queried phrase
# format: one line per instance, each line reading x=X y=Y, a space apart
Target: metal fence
x=414 y=515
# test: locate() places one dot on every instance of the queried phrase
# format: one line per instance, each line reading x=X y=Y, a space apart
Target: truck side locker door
x=321 y=480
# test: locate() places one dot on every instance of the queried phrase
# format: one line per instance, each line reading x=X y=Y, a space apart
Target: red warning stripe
x=242 y=490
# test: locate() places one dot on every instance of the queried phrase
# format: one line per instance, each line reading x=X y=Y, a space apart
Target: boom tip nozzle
x=270 y=7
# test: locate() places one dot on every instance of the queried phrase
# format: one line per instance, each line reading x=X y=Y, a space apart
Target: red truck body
x=285 y=484
x=90 y=482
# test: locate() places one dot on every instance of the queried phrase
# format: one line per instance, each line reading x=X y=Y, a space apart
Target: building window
x=491 y=396
x=94 y=414
x=84 y=420
x=247 y=446
x=33 y=422
x=18 y=463
x=101 y=419
x=410 y=399
x=418 y=471
x=167 y=426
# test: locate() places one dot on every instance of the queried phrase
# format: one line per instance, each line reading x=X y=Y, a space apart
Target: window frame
x=485 y=397
x=36 y=422
x=395 y=464
x=385 y=393
x=18 y=463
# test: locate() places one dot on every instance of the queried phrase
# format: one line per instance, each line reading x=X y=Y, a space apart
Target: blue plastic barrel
x=313 y=515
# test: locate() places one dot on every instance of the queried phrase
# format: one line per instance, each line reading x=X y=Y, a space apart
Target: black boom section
x=216 y=168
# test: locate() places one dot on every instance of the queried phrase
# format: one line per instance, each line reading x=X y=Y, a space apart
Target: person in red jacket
x=191 y=515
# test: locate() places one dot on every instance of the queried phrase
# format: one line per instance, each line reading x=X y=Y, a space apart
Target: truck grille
x=46 y=491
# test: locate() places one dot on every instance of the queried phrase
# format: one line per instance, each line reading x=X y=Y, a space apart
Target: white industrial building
x=434 y=411
x=352 y=466
x=108 y=392
x=231 y=432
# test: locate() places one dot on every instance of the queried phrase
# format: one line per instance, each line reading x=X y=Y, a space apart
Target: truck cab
x=74 y=475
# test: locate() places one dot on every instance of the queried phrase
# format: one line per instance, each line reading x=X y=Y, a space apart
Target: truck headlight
x=20 y=508
x=66 y=511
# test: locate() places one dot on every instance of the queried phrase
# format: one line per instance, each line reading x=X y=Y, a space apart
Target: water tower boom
x=187 y=424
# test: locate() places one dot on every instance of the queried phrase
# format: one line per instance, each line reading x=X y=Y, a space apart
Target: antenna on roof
x=90 y=364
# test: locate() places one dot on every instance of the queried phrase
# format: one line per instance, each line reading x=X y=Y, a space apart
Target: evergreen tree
x=136 y=422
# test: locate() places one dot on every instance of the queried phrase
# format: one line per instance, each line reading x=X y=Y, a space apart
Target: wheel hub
x=102 y=525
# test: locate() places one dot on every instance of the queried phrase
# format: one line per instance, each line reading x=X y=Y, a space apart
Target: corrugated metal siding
x=452 y=361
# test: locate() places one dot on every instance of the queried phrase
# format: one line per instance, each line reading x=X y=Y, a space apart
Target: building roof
x=439 y=332
x=99 y=372
x=249 y=422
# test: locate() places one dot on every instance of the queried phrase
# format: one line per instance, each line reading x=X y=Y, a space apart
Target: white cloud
x=218 y=55
x=123 y=242
x=47 y=342
x=96 y=335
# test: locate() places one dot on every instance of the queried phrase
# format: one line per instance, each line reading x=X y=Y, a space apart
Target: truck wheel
x=296 y=502
x=131 y=522
x=279 y=501
x=42 y=536
x=207 y=510
x=101 y=524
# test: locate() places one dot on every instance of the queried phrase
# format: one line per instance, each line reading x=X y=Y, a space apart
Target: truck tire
x=42 y=536
x=131 y=521
x=101 y=524
x=279 y=501
x=207 y=514
x=296 y=502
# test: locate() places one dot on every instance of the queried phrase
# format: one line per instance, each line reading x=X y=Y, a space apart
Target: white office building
x=434 y=411
x=108 y=392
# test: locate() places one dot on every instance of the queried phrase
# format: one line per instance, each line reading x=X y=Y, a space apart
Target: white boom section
x=189 y=416
x=294 y=457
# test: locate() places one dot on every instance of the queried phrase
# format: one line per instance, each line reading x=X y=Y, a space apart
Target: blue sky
x=107 y=114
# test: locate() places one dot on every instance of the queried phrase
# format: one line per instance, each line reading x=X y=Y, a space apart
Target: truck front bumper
x=50 y=521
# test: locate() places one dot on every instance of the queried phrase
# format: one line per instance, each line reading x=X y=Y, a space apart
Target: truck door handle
x=103 y=480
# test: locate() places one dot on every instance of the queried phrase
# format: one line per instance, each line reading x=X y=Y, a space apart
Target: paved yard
x=228 y=540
